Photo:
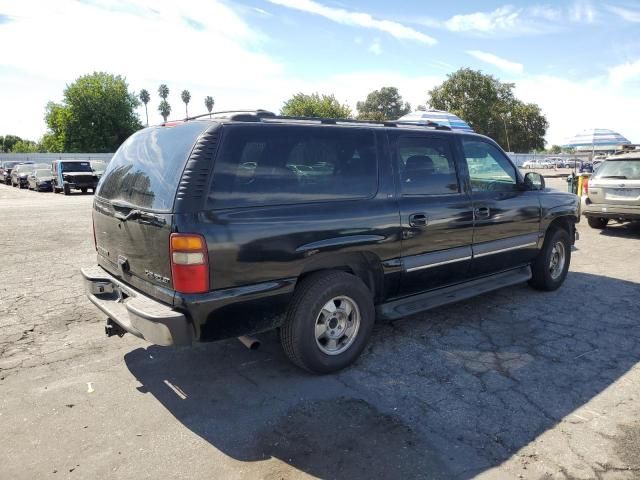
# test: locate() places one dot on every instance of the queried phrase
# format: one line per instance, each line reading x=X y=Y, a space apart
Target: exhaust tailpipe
x=249 y=342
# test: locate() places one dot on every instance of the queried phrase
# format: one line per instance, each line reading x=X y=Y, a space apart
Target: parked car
x=19 y=174
x=192 y=246
x=613 y=192
x=98 y=167
x=5 y=171
x=73 y=174
x=531 y=164
x=553 y=162
x=40 y=179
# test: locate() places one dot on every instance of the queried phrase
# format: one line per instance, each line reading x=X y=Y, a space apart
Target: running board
x=455 y=293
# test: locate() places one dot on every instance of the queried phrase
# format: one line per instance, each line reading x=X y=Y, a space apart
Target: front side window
x=426 y=166
x=489 y=168
x=271 y=165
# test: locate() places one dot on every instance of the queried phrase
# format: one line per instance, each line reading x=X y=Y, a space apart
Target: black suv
x=5 y=170
x=246 y=222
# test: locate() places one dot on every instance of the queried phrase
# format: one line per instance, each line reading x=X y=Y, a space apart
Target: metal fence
x=520 y=158
x=49 y=157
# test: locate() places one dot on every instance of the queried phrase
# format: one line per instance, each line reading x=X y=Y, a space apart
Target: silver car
x=613 y=192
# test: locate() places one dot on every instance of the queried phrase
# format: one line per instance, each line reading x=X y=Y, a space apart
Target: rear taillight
x=189 y=263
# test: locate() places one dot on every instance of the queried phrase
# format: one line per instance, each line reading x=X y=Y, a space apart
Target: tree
x=144 y=98
x=186 y=97
x=165 y=109
x=97 y=114
x=490 y=107
x=315 y=105
x=163 y=91
x=8 y=141
x=25 y=146
x=383 y=104
x=208 y=102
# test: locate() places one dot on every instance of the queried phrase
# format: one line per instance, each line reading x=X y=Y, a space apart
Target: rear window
x=284 y=164
x=620 y=169
x=146 y=169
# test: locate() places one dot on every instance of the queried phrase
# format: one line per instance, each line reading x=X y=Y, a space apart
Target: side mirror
x=534 y=181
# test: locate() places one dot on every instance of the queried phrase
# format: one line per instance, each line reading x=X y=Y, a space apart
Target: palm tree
x=165 y=109
x=208 y=102
x=186 y=96
x=163 y=91
x=144 y=98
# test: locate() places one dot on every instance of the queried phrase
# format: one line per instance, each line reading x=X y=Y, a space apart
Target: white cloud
x=582 y=11
x=572 y=106
x=624 y=72
x=511 y=20
x=358 y=19
x=625 y=13
x=501 y=63
x=375 y=47
x=503 y=18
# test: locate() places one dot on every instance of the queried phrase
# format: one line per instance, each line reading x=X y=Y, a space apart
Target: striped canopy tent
x=437 y=116
x=596 y=139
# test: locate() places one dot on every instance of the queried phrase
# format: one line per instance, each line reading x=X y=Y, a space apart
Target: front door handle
x=482 y=212
x=418 y=220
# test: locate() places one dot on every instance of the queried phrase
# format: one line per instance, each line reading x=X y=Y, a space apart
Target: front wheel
x=329 y=322
x=552 y=263
x=599 y=223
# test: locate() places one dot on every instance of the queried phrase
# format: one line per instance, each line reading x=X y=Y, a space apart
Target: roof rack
x=267 y=116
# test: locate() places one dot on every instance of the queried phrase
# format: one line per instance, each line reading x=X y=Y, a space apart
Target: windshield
x=43 y=173
x=621 y=169
x=98 y=166
x=10 y=164
x=76 y=167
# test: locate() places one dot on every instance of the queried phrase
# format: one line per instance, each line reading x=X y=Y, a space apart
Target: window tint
x=489 y=168
x=146 y=169
x=283 y=164
x=426 y=166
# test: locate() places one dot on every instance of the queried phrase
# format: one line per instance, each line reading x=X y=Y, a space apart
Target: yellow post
x=579 y=191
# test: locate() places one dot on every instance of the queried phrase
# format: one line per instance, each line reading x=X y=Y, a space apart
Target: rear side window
x=284 y=164
x=146 y=169
x=426 y=166
x=620 y=169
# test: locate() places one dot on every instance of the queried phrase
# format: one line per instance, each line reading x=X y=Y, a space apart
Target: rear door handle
x=482 y=212
x=418 y=220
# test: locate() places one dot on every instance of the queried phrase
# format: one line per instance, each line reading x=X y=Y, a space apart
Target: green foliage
x=163 y=91
x=208 y=102
x=383 y=104
x=186 y=97
x=165 y=109
x=315 y=105
x=491 y=109
x=25 y=146
x=144 y=98
x=96 y=115
x=7 y=142
x=555 y=149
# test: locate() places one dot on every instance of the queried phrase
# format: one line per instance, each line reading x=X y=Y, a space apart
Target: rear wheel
x=329 y=322
x=552 y=263
x=596 y=222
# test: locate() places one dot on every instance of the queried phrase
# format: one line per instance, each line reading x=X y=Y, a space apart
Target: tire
x=596 y=222
x=299 y=332
x=66 y=189
x=546 y=276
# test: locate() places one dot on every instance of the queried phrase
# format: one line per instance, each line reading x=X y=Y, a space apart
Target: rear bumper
x=603 y=210
x=135 y=312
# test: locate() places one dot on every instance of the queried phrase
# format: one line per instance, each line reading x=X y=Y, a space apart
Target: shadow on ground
x=629 y=230
x=449 y=394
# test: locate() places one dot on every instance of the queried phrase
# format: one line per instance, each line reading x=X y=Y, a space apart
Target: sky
x=578 y=60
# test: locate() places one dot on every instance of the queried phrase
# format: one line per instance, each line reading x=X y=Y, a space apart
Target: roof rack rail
x=265 y=115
